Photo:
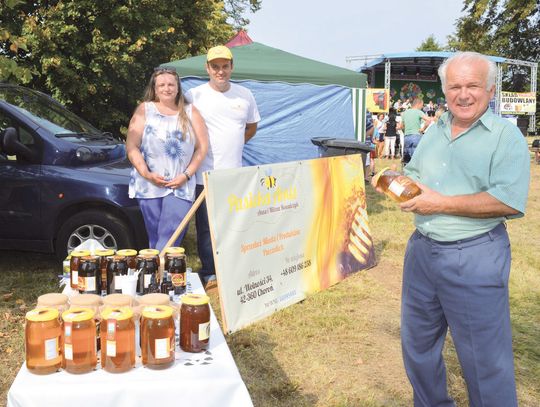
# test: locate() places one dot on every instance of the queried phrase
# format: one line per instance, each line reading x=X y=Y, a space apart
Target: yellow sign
x=377 y=100
x=283 y=231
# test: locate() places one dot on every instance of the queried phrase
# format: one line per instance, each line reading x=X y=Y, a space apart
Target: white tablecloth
x=196 y=379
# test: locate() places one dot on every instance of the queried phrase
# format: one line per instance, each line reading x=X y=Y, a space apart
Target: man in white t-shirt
x=231 y=115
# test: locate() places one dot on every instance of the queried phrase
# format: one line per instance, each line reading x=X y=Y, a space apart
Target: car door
x=20 y=214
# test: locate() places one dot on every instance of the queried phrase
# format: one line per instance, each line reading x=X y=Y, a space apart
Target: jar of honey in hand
x=395 y=185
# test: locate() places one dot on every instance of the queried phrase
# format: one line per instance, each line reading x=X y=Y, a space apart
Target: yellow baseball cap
x=220 y=51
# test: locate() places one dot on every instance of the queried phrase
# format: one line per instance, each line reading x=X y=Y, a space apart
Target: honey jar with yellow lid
x=43 y=338
x=194 y=323
x=53 y=300
x=131 y=258
x=79 y=354
x=103 y=255
x=74 y=263
x=117 y=339
x=157 y=337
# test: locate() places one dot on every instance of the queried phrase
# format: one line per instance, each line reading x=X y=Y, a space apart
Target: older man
x=473 y=169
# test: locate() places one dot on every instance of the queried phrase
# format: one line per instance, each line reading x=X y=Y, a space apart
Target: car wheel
x=110 y=231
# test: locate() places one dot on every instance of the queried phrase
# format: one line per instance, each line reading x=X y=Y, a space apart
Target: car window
x=25 y=136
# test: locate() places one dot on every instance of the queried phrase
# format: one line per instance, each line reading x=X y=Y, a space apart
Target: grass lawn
x=339 y=347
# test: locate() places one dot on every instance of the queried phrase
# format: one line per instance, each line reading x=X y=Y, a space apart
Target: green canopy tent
x=298 y=98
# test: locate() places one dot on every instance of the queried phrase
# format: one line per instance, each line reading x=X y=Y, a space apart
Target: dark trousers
x=463 y=286
x=204 y=242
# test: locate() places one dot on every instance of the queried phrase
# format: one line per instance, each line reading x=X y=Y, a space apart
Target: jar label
x=51 y=348
x=396 y=188
x=204 y=331
x=67 y=331
x=87 y=283
x=178 y=280
x=162 y=348
x=111 y=328
x=147 y=279
x=74 y=277
x=111 y=348
x=68 y=351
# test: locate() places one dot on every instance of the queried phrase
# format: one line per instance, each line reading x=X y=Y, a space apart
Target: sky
x=329 y=31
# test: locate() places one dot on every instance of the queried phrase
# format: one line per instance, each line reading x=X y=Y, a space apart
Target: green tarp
x=259 y=62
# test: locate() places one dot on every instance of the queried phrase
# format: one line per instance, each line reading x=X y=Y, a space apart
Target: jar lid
x=118 y=313
x=89 y=258
x=42 y=314
x=195 y=299
x=77 y=314
x=149 y=252
x=104 y=252
x=80 y=253
x=175 y=250
x=157 y=312
x=118 y=300
x=52 y=299
x=85 y=300
x=154 y=299
x=378 y=175
x=127 y=252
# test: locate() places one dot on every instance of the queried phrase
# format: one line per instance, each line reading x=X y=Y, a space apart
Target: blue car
x=62 y=181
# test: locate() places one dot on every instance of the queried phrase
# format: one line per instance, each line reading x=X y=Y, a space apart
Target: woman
x=166 y=142
x=380 y=128
x=391 y=133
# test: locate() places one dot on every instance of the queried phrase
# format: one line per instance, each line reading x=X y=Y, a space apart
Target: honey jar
x=150 y=253
x=117 y=268
x=176 y=267
x=117 y=340
x=103 y=255
x=89 y=275
x=131 y=258
x=74 y=266
x=79 y=354
x=157 y=337
x=53 y=300
x=194 y=323
x=148 y=266
x=398 y=187
x=43 y=335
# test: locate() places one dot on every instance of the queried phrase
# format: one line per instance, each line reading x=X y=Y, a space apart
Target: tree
x=507 y=28
x=96 y=57
x=430 y=44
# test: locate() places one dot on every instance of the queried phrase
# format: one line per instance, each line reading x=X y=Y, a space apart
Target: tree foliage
x=506 y=28
x=430 y=44
x=96 y=56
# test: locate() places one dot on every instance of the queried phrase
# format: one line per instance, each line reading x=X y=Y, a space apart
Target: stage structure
x=410 y=74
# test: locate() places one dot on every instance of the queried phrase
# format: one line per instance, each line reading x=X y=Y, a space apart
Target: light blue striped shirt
x=491 y=156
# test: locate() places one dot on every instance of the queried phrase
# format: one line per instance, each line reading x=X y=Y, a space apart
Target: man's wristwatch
x=186 y=173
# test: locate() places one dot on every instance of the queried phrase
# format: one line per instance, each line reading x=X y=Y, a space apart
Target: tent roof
x=241 y=38
x=260 y=62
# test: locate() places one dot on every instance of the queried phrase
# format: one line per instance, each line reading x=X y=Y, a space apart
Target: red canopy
x=241 y=38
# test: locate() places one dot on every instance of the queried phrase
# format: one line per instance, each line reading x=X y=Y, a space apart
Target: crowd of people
x=389 y=128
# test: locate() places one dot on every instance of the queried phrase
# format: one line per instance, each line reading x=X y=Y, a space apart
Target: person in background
x=391 y=132
x=231 y=115
x=166 y=143
x=379 y=138
x=412 y=123
x=457 y=262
